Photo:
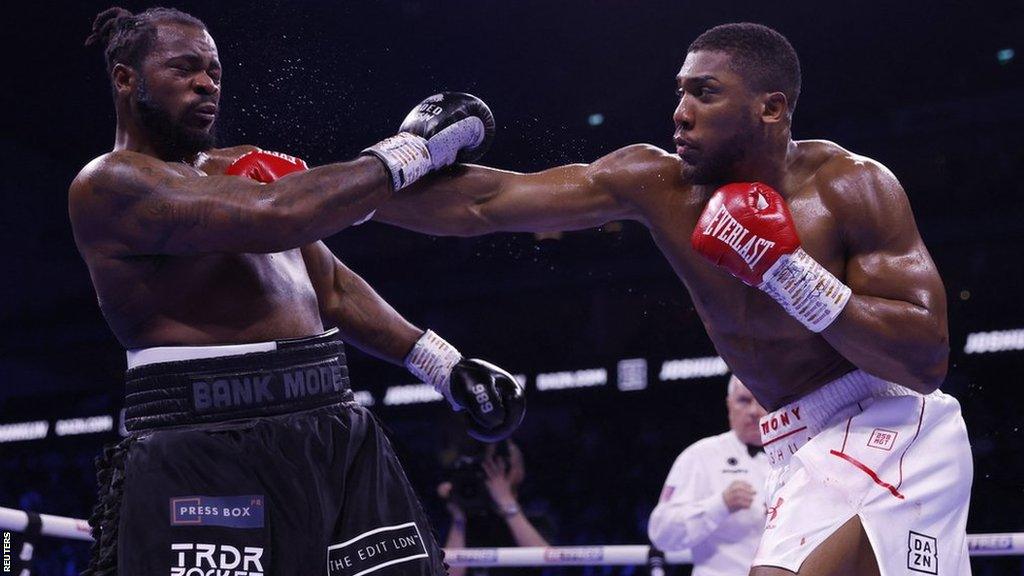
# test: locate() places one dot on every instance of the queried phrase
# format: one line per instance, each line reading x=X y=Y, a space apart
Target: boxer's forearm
x=446 y=204
x=895 y=340
x=128 y=204
x=365 y=320
x=307 y=206
x=476 y=200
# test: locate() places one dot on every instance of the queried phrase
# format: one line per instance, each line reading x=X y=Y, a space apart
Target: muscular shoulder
x=104 y=165
x=121 y=172
x=637 y=169
x=101 y=173
x=861 y=192
x=108 y=186
x=844 y=177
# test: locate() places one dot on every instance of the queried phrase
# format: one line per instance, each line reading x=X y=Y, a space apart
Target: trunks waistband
x=785 y=430
x=285 y=376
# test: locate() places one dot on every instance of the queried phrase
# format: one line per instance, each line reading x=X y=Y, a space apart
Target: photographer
x=482 y=498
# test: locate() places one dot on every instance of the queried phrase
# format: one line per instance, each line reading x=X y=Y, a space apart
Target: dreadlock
x=127 y=38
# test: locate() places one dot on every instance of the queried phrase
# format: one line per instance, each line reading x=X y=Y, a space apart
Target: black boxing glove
x=446 y=109
x=493 y=398
x=445 y=128
x=494 y=401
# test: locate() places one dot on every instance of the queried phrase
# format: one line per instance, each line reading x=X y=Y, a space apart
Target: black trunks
x=253 y=464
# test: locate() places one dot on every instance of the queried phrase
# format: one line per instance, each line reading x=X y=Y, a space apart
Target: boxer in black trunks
x=247 y=454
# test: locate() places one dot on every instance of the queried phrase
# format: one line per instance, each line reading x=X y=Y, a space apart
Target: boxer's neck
x=767 y=163
x=130 y=135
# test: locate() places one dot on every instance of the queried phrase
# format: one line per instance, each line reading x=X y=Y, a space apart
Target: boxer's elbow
x=474 y=220
x=934 y=373
x=929 y=370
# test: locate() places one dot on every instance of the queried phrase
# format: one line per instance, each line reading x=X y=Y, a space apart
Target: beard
x=716 y=166
x=169 y=135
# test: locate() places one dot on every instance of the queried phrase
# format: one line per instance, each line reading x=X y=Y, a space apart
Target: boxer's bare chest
x=208 y=298
x=772 y=353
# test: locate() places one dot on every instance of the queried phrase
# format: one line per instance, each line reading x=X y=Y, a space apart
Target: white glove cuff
x=806 y=290
x=431 y=360
x=406 y=157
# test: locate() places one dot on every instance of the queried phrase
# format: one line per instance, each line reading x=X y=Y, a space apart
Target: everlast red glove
x=747 y=229
x=265 y=166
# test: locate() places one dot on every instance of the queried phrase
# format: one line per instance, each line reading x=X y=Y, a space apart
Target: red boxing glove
x=265 y=166
x=747 y=229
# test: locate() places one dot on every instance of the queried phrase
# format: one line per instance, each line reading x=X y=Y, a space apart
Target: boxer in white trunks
x=807 y=268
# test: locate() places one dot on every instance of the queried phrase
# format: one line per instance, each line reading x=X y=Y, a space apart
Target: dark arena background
x=934 y=90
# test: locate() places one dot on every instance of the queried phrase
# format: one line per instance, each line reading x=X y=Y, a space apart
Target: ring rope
x=994 y=544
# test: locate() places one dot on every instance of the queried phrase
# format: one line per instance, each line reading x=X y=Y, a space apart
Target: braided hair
x=126 y=38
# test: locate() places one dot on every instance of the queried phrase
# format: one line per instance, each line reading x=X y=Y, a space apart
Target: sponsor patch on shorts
x=922 y=553
x=376 y=549
x=190 y=558
x=882 y=439
x=228 y=511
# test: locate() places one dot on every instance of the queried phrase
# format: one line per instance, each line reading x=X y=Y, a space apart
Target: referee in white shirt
x=713 y=501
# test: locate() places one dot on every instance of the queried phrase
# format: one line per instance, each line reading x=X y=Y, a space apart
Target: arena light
x=364 y=397
x=689 y=368
x=411 y=394
x=92 y=425
x=572 y=379
x=1005 y=55
x=20 y=431
x=632 y=374
x=995 y=341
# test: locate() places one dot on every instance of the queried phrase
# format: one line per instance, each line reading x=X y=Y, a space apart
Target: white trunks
x=866 y=447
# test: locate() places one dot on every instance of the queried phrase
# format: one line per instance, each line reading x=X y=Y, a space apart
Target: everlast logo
x=216 y=393
x=749 y=246
x=773 y=422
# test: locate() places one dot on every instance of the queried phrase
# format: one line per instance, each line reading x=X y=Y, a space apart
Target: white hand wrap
x=431 y=360
x=406 y=157
x=806 y=290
